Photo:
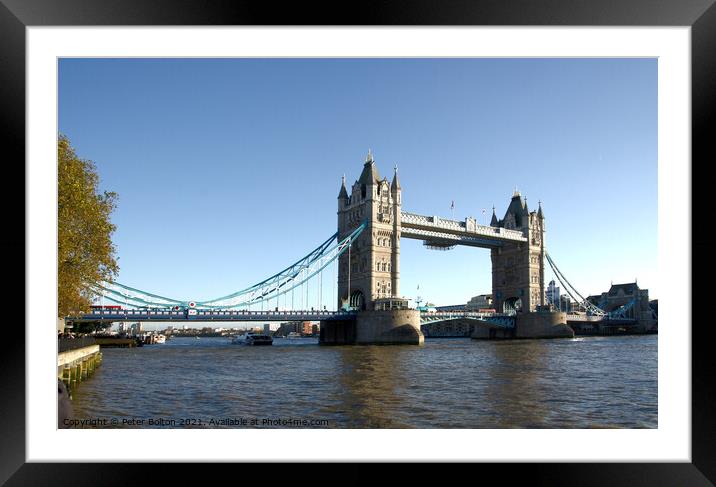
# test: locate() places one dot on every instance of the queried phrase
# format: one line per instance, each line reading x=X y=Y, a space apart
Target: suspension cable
x=569 y=288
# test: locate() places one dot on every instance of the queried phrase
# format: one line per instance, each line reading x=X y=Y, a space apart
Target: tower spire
x=493 y=222
x=343 y=194
x=395 y=185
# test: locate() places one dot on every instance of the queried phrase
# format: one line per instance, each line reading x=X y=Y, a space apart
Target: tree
x=85 y=252
x=90 y=326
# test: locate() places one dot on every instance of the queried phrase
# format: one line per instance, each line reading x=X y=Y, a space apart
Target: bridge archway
x=357 y=300
x=512 y=305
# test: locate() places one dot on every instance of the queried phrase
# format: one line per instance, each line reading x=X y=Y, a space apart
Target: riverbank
x=75 y=365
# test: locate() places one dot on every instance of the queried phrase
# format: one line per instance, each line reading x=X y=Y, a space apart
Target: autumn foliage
x=85 y=252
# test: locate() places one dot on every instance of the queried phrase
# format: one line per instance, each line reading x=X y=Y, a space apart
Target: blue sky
x=228 y=170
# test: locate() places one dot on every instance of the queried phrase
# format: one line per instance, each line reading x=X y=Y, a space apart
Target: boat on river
x=251 y=338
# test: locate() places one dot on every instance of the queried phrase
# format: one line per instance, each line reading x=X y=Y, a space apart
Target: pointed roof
x=370 y=175
x=628 y=288
x=343 y=194
x=539 y=211
x=494 y=222
x=395 y=185
x=516 y=207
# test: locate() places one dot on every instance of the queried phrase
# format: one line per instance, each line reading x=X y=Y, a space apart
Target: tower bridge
x=370 y=273
x=366 y=248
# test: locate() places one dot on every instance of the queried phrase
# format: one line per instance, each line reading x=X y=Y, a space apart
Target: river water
x=586 y=382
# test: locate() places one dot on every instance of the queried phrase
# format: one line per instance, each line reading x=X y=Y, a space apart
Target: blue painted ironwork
x=112 y=315
x=591 y=309
x=499 y=320
x=572 y=291
x=280 y=283
x=621 y=312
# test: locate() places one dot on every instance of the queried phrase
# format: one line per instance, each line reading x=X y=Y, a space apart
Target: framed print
x=594 y=112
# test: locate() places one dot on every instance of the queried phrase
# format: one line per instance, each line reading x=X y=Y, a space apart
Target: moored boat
x=251 y=338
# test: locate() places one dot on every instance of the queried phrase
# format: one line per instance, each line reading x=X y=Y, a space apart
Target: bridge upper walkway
x=438 y=230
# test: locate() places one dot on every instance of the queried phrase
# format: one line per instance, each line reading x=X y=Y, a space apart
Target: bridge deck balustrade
x=412 y=219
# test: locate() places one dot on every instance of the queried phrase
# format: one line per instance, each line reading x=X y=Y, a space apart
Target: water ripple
x=599 y=382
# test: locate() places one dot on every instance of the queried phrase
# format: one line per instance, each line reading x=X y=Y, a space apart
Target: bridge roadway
x=113 y=315
x=211 y=315
x=599 y=319
x=441 y=231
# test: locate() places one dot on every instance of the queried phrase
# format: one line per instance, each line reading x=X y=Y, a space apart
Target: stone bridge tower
x=518 y=268
x=375 y=255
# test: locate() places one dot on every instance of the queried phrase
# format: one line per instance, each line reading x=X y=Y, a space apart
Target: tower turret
x=494 y=222
x=395 y=185
x=370 y=175
x=343 y=194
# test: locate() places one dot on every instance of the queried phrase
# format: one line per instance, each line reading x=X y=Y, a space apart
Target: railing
x=65 y=344
x=204 y=314
x=455 y=238
x=437 y=222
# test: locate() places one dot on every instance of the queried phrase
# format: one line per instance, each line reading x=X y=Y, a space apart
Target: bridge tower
x=375 y=255
x=518 y=268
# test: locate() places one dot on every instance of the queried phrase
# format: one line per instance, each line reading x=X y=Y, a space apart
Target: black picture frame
x=700 y=15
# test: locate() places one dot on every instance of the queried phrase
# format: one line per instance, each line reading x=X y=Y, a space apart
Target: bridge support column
x=338 y=332
x=380 y=327
x=389 y=327
x=543 y=324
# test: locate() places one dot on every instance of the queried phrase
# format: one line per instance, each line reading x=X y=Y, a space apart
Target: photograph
x=403 y=234
x=357 y=243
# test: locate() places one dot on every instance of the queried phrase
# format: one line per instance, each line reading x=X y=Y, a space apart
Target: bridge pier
x=543 y=324
x=485 y=331
x=378 y=327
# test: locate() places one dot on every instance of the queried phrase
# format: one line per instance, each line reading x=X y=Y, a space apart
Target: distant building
x=566 y=304
x=306 y=328
x=623 y=294
x=316 y=329
x=288 y=327
x=267 y=329
x=451 y=307
x=553 y=293
x=482 y=301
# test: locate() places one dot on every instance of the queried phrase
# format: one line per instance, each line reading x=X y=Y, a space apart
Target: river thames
x=585 y=382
